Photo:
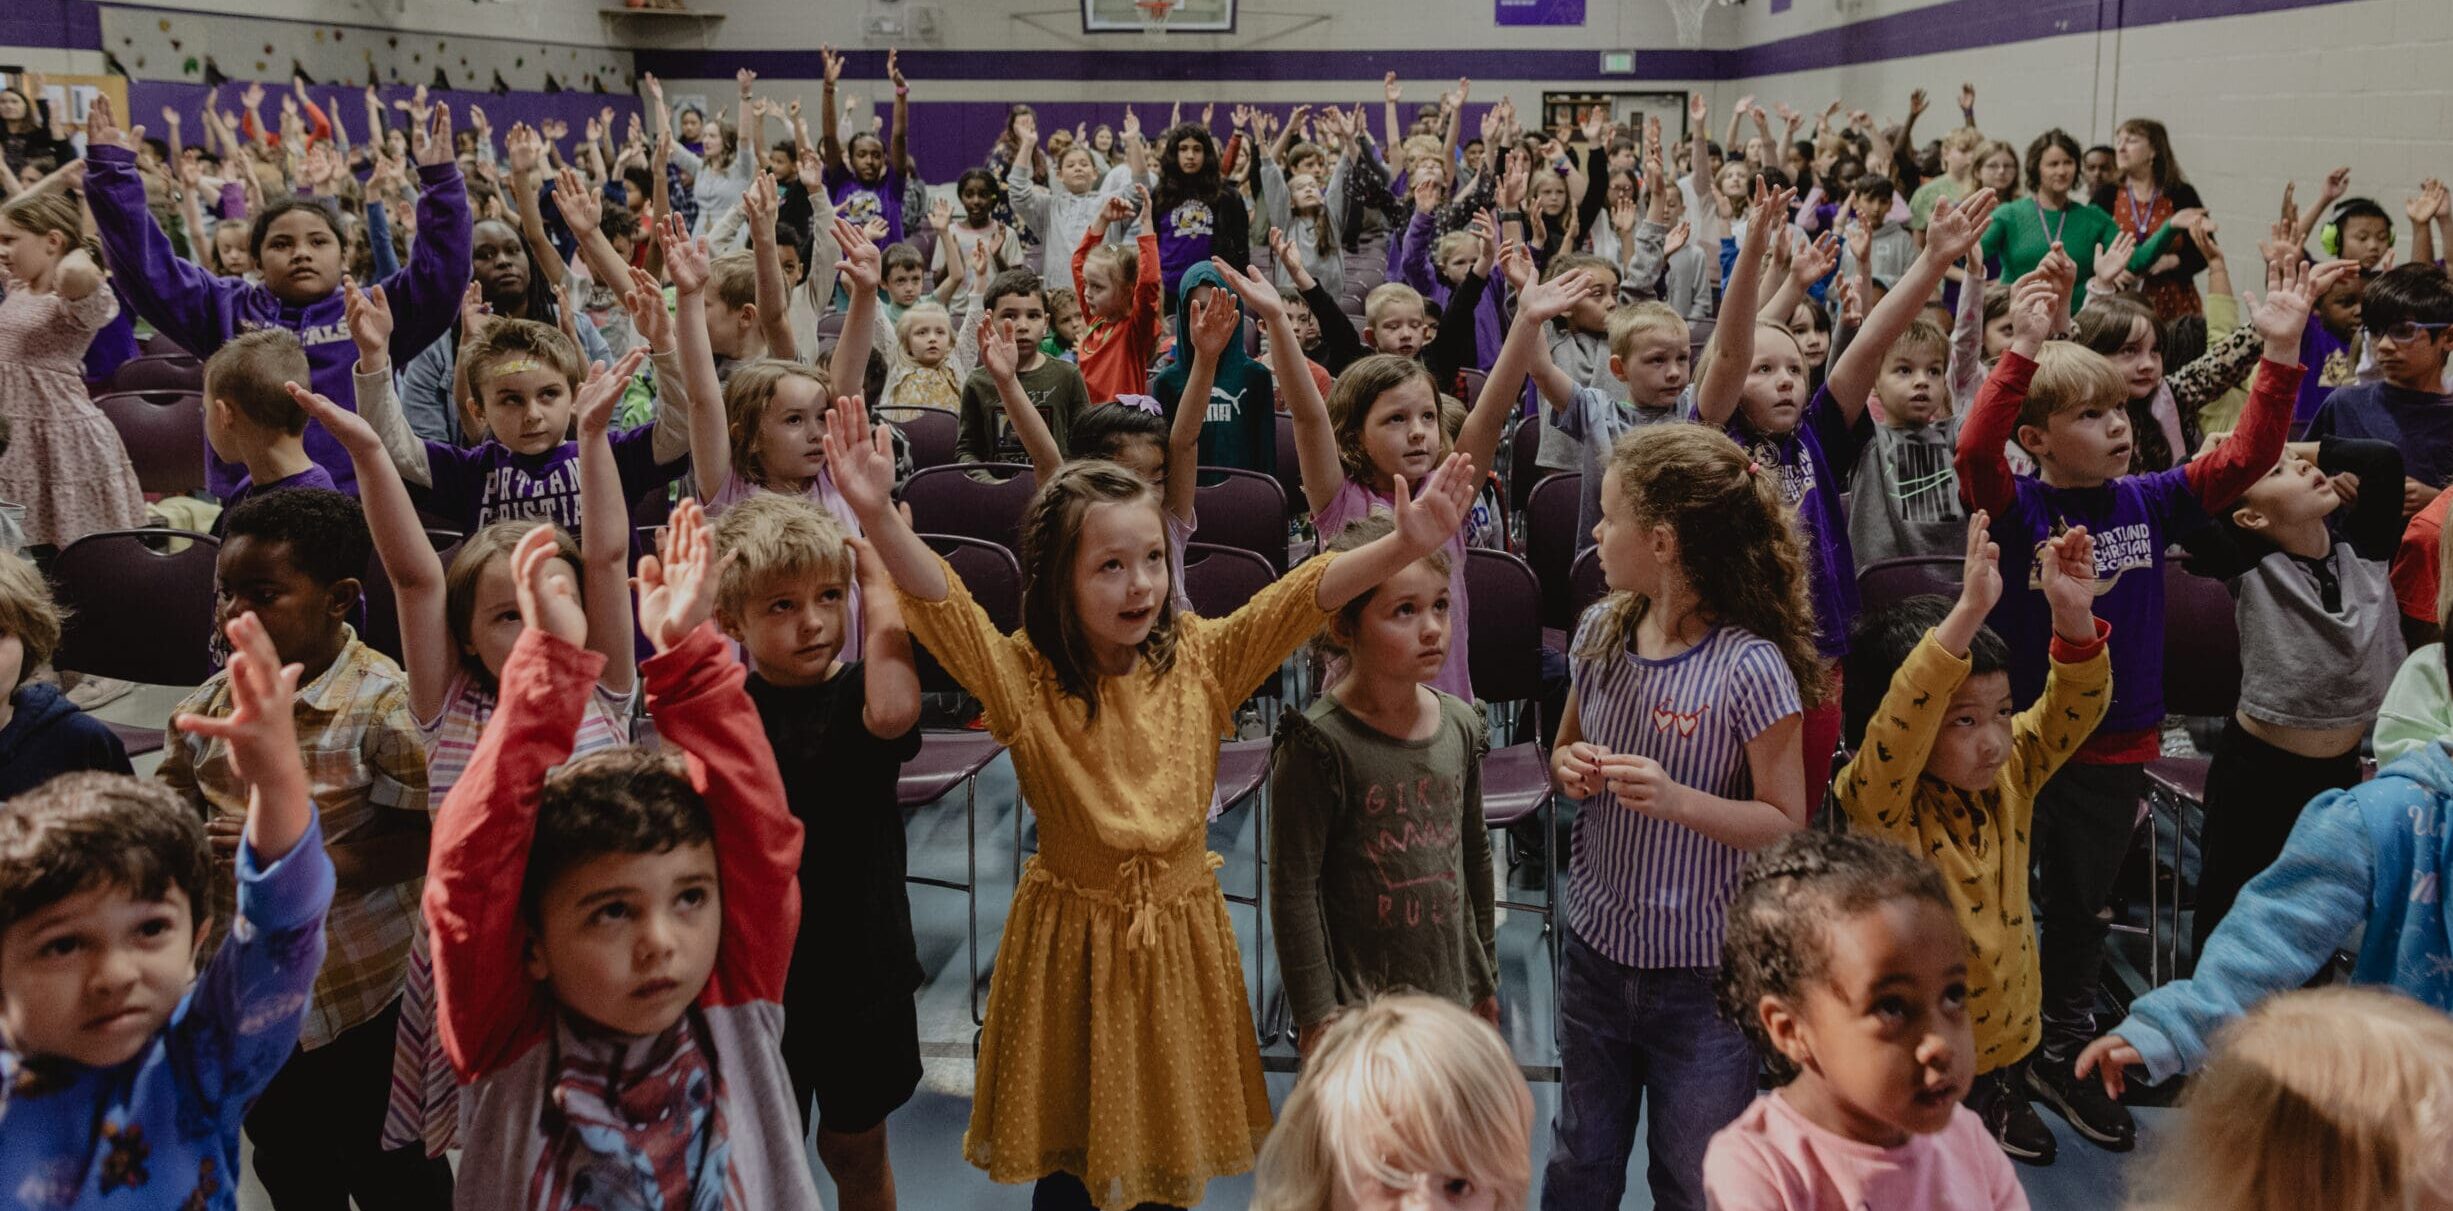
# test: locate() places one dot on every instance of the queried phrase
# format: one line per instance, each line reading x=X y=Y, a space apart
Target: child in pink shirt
x=1847 y=966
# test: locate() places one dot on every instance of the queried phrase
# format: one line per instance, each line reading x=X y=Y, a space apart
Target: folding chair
x=1220 y=580
x=159 y=372
x=1241 y=509
x=1550 y=544
x=946 y=500
x=138 y=611
x=382 y=615
x=931 y=432
x=1288 y=468
x=1887 y=582
x=1471 y=381
x=1585 y=585
x=1504 y=656
x=163 y=430
x=951 y=759
x=2201 y=676
x=158 y=345
x=1522 y=473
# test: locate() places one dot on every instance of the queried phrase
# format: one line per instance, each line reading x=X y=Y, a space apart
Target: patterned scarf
x=634 y=1124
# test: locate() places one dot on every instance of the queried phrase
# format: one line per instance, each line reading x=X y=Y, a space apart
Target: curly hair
x=1779 y=942
x=618 y=801
x=326 y=531
x=1051 y=536
x=1737 y=545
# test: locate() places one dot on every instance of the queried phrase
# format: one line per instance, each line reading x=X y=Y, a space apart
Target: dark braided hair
x=1791 y=890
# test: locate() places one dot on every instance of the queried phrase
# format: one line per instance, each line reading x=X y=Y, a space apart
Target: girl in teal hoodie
x=1241 y=429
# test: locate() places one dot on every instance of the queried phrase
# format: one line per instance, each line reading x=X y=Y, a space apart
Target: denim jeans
x=1625 y=1032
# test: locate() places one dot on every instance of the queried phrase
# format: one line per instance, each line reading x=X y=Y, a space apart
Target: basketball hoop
x=1154 y=14
x=1690 y=19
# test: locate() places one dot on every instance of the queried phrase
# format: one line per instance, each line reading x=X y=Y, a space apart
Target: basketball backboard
x=1182 y=17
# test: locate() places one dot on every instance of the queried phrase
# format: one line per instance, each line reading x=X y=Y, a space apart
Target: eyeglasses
x=2409 y=331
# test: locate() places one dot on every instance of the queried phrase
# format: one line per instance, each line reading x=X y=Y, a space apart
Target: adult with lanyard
x=2024 y=230
x=2149 y=198
x=26 y=131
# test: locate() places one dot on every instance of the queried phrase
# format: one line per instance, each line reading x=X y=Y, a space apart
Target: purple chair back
x=1524 y=443
x=381 y=626
x=159 y=372
x=1550 y=545
x=1889 y=581
x=1505 y=650
x=1470 y=381
x=994 y=578
x=1699 y=334
x=164 y=432
x=1219 y=580
x=932 y=432
x=2201 y=644
x=1241 y=509
x=946 y=500
x=159 y=345
x=135 y=611
x=1289 y=468
x=1585 y=585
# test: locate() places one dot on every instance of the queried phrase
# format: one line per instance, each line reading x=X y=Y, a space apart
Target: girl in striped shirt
x=1684 y=710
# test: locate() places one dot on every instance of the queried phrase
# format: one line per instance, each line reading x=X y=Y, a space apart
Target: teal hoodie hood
x=1241 y=430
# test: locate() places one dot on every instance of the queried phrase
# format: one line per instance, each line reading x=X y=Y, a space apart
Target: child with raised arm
x=1120 y=298
x=1382 y=862
x=865 y=176
x=1681 y=734
x=1943 y=768
x=2069 y=411
x=1108 y=700
x=1066 y=211
x=297 y=243
x=124 y=1071
x=612 y=935
x=64 y=461
x=841 y=731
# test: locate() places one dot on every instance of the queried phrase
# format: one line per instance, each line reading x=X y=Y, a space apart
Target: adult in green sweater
x=2023 y=231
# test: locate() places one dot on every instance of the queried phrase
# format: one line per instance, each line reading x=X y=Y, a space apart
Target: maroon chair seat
x=1241 y=509
x=163 y=430
x=932 y=433
x=159 y=372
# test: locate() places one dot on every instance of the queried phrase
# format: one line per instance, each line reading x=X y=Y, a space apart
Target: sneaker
x=2105 y=1122
x=2019 y=1129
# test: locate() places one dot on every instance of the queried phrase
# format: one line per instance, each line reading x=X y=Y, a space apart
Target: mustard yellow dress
x=1119 y=1045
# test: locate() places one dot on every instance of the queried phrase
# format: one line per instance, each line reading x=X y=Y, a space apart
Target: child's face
x=1403 y=630
x=1812 y=342
x=1731 y=179
x=1998 y=172
x=1120 y=578
x=1303 y=190
x=1190 y=155
x=1401 y=433
x=1401 y=329
x=1632 y=553
x=2338 y=308
x=1067 y=324
x=230 y=243
x=2414 y=358
x=1883 y=1040
x=1998 y=332
x=788 y=429
x=691 y=125
x=1592 y=312
x=1912 y=387
x=1028 y=313
x=494 y=623
x=2081 y=446
x=301 y=257
x=1307 y=325
x=632 y=198
x=1078 y=170
x=1955 y=158
x=979 y=201
x=1459 y=262
x=904 y=283
x=1654 y=368
x=2101 y=167
x=790 y=255
x=1102 y=294
x=303 y=618
x=527 y=409
x=867 y=157
x=2140 y=364
x=27 y=255
x=1873 y=212
x=2294 y=493
x=1975 y=738
x=1775 y=395
x=93 y=976
x=627 y=941
x=928 y=340
x=1550 y=197
x=793 y=627
x=2366 y=239
x=498 y=258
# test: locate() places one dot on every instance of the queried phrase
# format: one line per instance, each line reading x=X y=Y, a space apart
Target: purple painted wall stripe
x=1121 y=65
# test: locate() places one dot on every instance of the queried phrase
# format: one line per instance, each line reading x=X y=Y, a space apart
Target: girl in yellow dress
x=1119 y=1065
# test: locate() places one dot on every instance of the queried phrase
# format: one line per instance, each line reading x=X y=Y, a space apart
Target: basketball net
x=1690 y=19
x=1154 y=14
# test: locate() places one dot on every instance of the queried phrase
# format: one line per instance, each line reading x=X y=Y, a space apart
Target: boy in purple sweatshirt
x=298 y=246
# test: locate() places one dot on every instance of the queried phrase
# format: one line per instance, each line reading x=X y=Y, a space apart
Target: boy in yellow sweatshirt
x=1946 y=769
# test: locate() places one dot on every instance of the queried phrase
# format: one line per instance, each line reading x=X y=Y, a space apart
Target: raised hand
x=2066 y=572
x=2036 y=307
x=745 y=77
x=1252 y=286
x=2337 y=183
x=758 y=205
x=1546 y=301
x=581 y=208
x=603 y=389
x=685 y=258
x=1699 y=108
x=2424 y=206
x=522 y=149
x=1214 y=324
x=261 y=728
x=252 y=96
x=645 y=303
x=2112 y=264
x=353 y=431
x=894 y=70
x=1677 y=238
x=676 y=585
x=998 y=353
x=102 y=130
x=1427 y=521
x=436 y=148
x=1957 y=227
x=1860 y=241
x=859 y=459
x=1814 y=261
x=1390 y=89
x=1116 y=209
x=833 y=65
x=1980 y=579
x=2292 y=287
x=1428 y=191
x=369 y=316
x=1515 y=264
x=1916 y=103
x=1282 y=249
x=1967 y=97
x=941 y=215
x=1769 y=212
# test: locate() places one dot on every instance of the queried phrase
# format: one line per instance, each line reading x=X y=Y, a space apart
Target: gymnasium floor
x=926 y=1134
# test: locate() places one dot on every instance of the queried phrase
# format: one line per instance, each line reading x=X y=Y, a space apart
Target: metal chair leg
x=970 y=828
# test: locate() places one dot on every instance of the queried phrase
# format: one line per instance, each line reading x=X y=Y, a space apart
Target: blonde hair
x=1387 y=295
x=1404 y=1092
x=1640 y=319
x=2070 y=376
x=2340 y=1098
x=525 y=340
x=460 y=582
x=1451 y=242
x=925 y=309
x=28 y=612
x=1966 y=138
x=746 y=396
x=1123 y=264
x=772 y=537
x=733 y=279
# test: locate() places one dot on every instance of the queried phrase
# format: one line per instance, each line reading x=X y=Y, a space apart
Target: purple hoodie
x=1421 y=240
x=201 y=311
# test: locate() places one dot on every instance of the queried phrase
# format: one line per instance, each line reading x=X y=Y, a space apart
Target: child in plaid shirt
x=293 y=558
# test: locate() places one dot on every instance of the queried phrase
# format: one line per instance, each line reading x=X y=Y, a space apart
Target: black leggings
x=1062 y=1191
x=2254 y=794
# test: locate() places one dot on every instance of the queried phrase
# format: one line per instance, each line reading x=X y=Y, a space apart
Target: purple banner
x=1541 y=12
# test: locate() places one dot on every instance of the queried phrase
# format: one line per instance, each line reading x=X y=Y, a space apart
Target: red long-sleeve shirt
x=1115 y=355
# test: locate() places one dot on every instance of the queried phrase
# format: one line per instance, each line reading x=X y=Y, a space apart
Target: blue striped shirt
x=1646 y=892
